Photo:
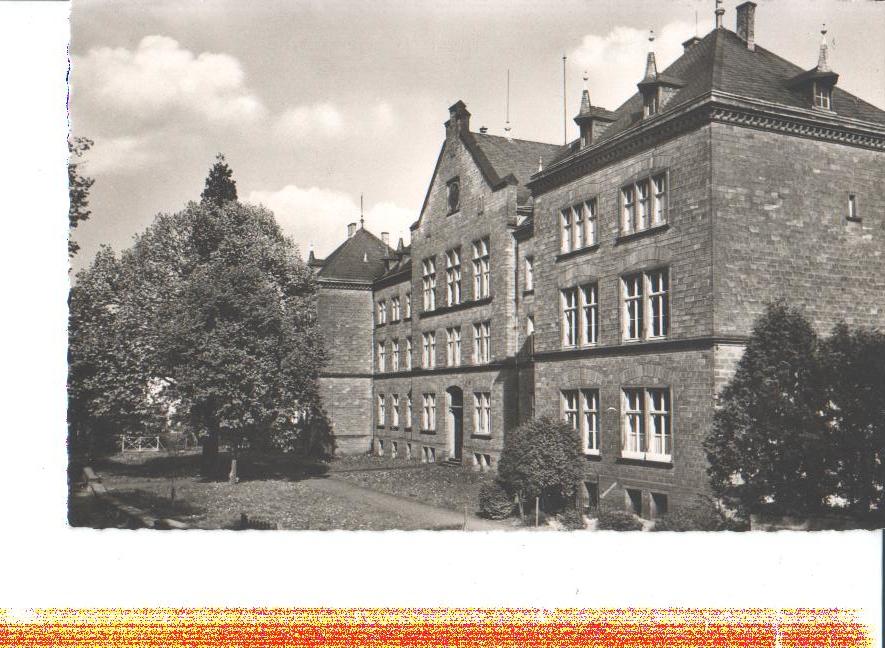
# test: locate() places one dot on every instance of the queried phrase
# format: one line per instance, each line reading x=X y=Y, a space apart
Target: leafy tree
x=218 y=330
x=78 y=187
x=542 y=458
x=240 y=339
x=854 y=363
x=108 y=391
x=769 y=447
x=220 y=185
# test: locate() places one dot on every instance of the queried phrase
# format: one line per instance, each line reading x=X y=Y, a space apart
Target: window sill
x=456 y=307
x=427 y=431
x=624 y=238
x=854 y=219
x=407 y=319
x=407 y=429
x=562 y=256
x=645 y=459
x=657 y=338
x=394 y=428
x=484 y=437
x=380 y=427
x=530 y=291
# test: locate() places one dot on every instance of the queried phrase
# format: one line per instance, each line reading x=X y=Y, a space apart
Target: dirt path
x=426 y=516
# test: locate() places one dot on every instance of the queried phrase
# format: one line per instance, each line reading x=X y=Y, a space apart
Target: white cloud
x=320 y=216
x=302 y=121
x=113 y=155
x=616 y=62
x=159 y=77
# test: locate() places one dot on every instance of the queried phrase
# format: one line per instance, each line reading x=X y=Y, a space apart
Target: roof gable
x=360 y=258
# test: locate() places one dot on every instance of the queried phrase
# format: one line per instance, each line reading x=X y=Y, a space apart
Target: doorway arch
x=455 y=422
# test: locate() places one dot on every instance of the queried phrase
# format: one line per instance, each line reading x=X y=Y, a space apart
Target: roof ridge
x=515 y=139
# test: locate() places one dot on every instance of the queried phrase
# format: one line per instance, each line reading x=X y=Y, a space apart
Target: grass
x=448 y=487
x=276 y=489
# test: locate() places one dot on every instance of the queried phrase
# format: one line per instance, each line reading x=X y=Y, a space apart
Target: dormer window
x=822 y=96
x=650 y=103
x=453 y=194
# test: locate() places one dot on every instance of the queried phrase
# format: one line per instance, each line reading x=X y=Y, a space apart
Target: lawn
x=278 y=490
x=451 y=487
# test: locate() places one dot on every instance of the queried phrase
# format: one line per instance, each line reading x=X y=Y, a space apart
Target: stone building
x=613 y=281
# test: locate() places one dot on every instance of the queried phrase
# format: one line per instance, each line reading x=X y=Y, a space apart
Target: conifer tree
x=770 y=450
x=220 y=185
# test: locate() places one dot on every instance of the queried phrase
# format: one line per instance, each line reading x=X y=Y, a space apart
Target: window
x=428 y=283
x=408 y=419
x=633 y=307
x=589 y=314
x=590 y=420
x=566 y=230
x=429 y=454
x=409 y=353
x=428 y=350
x=382 y=357
x=580 y=410
x=644 y=204
x=658 y=304
x=644 y=199
x=453 y=194
x=382 y=312
x=569 y=317
x=529 y=325
x=481 y=268
x=428 y=412
x=650 y=102
x=529 y=281
x=852 y=207
x=382 y=410
x=408 y=306
x=453 y=346
x=453 y=277
x=394 y=310
x=634 y=500
x=394 y=448
x=822 y=96
x=395 y=359
x=579 y=226
x=646 y=305
x=482 y=413
x=647 y=424
x=482 y=342
x=570 y=408
x=659 y=505
x=394 y=410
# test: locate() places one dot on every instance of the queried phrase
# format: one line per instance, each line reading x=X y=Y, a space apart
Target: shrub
x=542 y=458
x=494 y=501
x=615 y=520
x=571 y=518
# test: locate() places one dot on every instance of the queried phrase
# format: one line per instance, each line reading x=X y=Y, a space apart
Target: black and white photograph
x=566 y=267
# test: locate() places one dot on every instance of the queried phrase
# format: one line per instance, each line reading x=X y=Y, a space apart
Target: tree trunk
x=232 y=475
x=209 y=457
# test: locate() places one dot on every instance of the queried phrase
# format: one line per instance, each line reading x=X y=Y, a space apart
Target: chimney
x=719 y=13
x=691 y=42
x=351 y=229
x=385 y=238
x=746 y=23
x=459 y=119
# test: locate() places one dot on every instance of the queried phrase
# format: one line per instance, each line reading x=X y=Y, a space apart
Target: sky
x=314 y=103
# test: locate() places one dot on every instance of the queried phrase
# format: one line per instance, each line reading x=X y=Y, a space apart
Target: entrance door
x=455 y=398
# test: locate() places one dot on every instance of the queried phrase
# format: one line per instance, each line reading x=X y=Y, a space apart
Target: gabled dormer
x=656 y=89
x=591 y=120
x=816 y=85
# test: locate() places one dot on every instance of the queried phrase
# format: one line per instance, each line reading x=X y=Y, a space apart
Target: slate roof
x=516 y=156
x=721 y=61
x=347 y=262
